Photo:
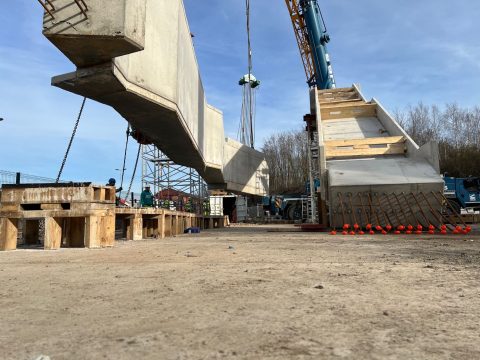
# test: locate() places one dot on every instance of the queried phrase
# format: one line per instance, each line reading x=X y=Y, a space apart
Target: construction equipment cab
x=463 y=193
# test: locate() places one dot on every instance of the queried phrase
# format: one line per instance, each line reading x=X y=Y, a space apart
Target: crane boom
x=312 y=37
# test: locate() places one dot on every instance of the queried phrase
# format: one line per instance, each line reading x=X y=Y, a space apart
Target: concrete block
x=112 y=27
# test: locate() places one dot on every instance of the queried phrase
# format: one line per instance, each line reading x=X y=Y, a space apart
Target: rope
x=71 y=141
x=125 y=155
x=134 y=171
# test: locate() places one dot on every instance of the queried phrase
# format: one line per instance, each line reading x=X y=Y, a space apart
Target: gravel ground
x=245 y=293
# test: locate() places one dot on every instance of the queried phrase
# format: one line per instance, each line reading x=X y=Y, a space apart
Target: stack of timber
x=371 y=170
x=74 y=215
x=145 y=223
x=84 y=215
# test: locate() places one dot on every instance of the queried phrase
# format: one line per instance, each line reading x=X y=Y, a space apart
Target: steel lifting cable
x=71 y=141
x=134 y=171
x=250 y=68
x=125 y=155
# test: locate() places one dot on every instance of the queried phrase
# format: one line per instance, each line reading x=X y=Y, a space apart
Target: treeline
x=456 y=129
x=286 y=155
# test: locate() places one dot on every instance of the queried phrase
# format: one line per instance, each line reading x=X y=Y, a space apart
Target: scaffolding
x=174 y=186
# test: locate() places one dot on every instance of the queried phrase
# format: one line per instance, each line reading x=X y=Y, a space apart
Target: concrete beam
x=156 y=86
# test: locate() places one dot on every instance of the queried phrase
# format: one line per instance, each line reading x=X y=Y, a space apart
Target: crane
x=312 y=37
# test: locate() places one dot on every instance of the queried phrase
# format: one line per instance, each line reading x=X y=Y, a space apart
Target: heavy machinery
x=463 y=193
x=371 y=171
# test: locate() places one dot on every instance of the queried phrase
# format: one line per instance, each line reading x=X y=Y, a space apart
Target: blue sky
x=401 y=52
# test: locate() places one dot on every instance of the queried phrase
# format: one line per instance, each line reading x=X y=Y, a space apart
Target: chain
x=71 y=140
x=125 y=155
x=134 y=171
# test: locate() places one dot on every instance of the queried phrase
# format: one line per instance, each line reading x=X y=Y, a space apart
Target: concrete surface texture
x=245 y=293
x=372 y=154
x=155 y=85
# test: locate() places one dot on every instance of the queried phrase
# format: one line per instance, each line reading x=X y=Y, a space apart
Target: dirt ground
x=245 y=293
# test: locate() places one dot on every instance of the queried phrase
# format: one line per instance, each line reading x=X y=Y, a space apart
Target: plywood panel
x=8 y=234
x=53 y=233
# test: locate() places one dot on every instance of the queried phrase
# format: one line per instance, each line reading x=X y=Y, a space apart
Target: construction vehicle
x=463 y=193
x=370 y=170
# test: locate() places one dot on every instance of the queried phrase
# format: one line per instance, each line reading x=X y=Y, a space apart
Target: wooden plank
x=348 y=111
x=335 y=91
x=8 y=234
x=168 y=225
x=393 y=149
x=91 y=230
x=51 y=207
x=53 y=233
x=366 y=141
x=340 y=102
x=107 y=231
x=161 y=226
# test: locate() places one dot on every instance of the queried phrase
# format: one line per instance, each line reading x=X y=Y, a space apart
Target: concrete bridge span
x=138 y=57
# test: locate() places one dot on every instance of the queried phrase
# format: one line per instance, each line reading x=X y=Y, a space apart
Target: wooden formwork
x=83 y=215
x=73 y=215
x=144 y=223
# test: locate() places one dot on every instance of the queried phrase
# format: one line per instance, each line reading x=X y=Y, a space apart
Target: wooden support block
x=9 y=207
x=136 y=227
x=53 y=233
x=51 y=207
x=178 y=225
x=160 y=220
x=98 y=194
x=107 y=231
x=168 y=226
x=100 y=231
x=8 y=234
x=91 y=232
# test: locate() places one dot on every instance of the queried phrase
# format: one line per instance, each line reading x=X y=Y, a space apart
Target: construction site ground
x=245 y=293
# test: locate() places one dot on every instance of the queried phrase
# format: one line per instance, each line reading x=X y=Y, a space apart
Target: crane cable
x=71 y=141
x=250 y=67
x=134 y=171
x=125 y=155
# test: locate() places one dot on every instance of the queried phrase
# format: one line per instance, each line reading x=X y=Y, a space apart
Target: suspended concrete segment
x=138 y=57
x=373 y=171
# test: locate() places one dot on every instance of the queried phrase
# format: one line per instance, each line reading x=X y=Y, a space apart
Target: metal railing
x=9 y=177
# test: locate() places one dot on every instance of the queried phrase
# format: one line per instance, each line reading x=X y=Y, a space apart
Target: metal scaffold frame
x=166 y=179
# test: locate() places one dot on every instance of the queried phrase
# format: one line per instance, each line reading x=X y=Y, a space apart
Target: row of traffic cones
x=401 y=229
